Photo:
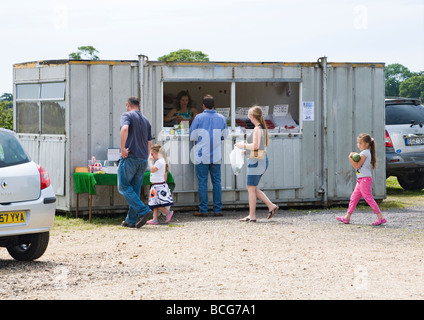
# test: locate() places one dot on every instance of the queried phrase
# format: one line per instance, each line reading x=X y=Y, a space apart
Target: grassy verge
x=399 y=198
x=68 y=224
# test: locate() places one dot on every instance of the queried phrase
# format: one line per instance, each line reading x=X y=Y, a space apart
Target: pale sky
x=389 y=31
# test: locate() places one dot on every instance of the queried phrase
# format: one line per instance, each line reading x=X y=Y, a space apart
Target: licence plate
x=12 y=217
x=414 y=141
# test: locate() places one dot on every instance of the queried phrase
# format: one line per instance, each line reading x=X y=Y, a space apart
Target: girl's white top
x=365 y=170
x=159 y=176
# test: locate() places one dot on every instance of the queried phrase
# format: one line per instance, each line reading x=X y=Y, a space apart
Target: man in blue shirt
x=208 y=129
x=136 y=142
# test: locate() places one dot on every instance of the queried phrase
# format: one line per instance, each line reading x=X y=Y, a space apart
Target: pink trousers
x=363 y=189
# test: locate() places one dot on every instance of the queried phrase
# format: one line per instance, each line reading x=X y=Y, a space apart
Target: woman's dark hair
x=181 y=94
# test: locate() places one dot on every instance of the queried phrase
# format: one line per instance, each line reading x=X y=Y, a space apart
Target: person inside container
x=184 y=111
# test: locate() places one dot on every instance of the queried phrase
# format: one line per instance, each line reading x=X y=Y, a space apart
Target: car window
x=11 y=151
x=404 y=114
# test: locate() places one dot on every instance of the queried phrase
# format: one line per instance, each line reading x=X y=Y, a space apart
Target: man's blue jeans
x=130 y=178
x=202 y=171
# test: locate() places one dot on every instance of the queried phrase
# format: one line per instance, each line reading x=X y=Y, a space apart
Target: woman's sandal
x=273 y=212
x=379 y=221
x=152 y=222
x=247 y=219
x=343 y=219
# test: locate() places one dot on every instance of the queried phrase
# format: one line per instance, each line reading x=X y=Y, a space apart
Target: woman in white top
x=160 y=194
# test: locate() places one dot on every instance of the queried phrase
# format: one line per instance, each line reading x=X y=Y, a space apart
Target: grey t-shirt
x=365 y=170
x=139 y=133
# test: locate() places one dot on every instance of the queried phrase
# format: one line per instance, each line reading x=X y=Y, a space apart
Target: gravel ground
x=296 y=255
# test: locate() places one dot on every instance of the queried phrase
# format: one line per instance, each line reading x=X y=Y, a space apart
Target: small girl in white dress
x=160 y=194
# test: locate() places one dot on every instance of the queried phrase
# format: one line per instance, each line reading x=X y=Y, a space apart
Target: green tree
x=185 y=55
x=6 y=115
x=85 y=53
x=6 y=97
x=395 y=74
x=412 y=87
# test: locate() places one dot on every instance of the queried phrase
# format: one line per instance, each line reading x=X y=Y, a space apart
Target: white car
x=405 y=142
x=27 y=201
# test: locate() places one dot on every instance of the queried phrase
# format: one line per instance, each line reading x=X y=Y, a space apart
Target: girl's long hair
x=256 y=111
x=157 y=148
x=365 y=137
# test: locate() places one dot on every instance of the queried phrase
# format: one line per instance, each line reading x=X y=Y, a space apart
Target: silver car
x=405 y=142
x=27 y=201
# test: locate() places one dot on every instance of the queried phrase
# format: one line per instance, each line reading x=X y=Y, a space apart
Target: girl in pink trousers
x=364 y=168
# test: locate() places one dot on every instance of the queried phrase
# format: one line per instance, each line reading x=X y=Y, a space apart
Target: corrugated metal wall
x=355 y=105
x=98 y=93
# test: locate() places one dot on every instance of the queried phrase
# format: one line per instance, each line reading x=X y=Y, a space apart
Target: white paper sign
x=308 y=110
x=281 y=110
x=224 y=111
x=242 y=112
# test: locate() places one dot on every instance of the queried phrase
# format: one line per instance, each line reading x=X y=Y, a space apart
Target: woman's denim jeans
x=130 y=178
x=202 y=171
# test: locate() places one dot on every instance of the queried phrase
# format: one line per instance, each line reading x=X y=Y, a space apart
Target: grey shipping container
x=67 y=111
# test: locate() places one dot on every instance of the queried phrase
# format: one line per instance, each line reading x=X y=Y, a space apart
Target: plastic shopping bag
x=236 y=160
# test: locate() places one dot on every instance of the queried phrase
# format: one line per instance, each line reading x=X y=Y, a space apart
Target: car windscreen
x=11 y=151
x=404 y=114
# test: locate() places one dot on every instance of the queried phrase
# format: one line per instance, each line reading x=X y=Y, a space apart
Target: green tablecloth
x=85 y=182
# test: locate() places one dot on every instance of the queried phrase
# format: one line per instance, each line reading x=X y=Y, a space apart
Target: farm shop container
x=316 y=109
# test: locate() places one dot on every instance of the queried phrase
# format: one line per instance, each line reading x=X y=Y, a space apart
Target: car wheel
x=411 y=181
x=33 y=249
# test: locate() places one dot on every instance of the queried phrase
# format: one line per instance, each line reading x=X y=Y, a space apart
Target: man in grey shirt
x=136 y=142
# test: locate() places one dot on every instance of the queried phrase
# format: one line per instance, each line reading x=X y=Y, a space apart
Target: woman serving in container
x=184 y=111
